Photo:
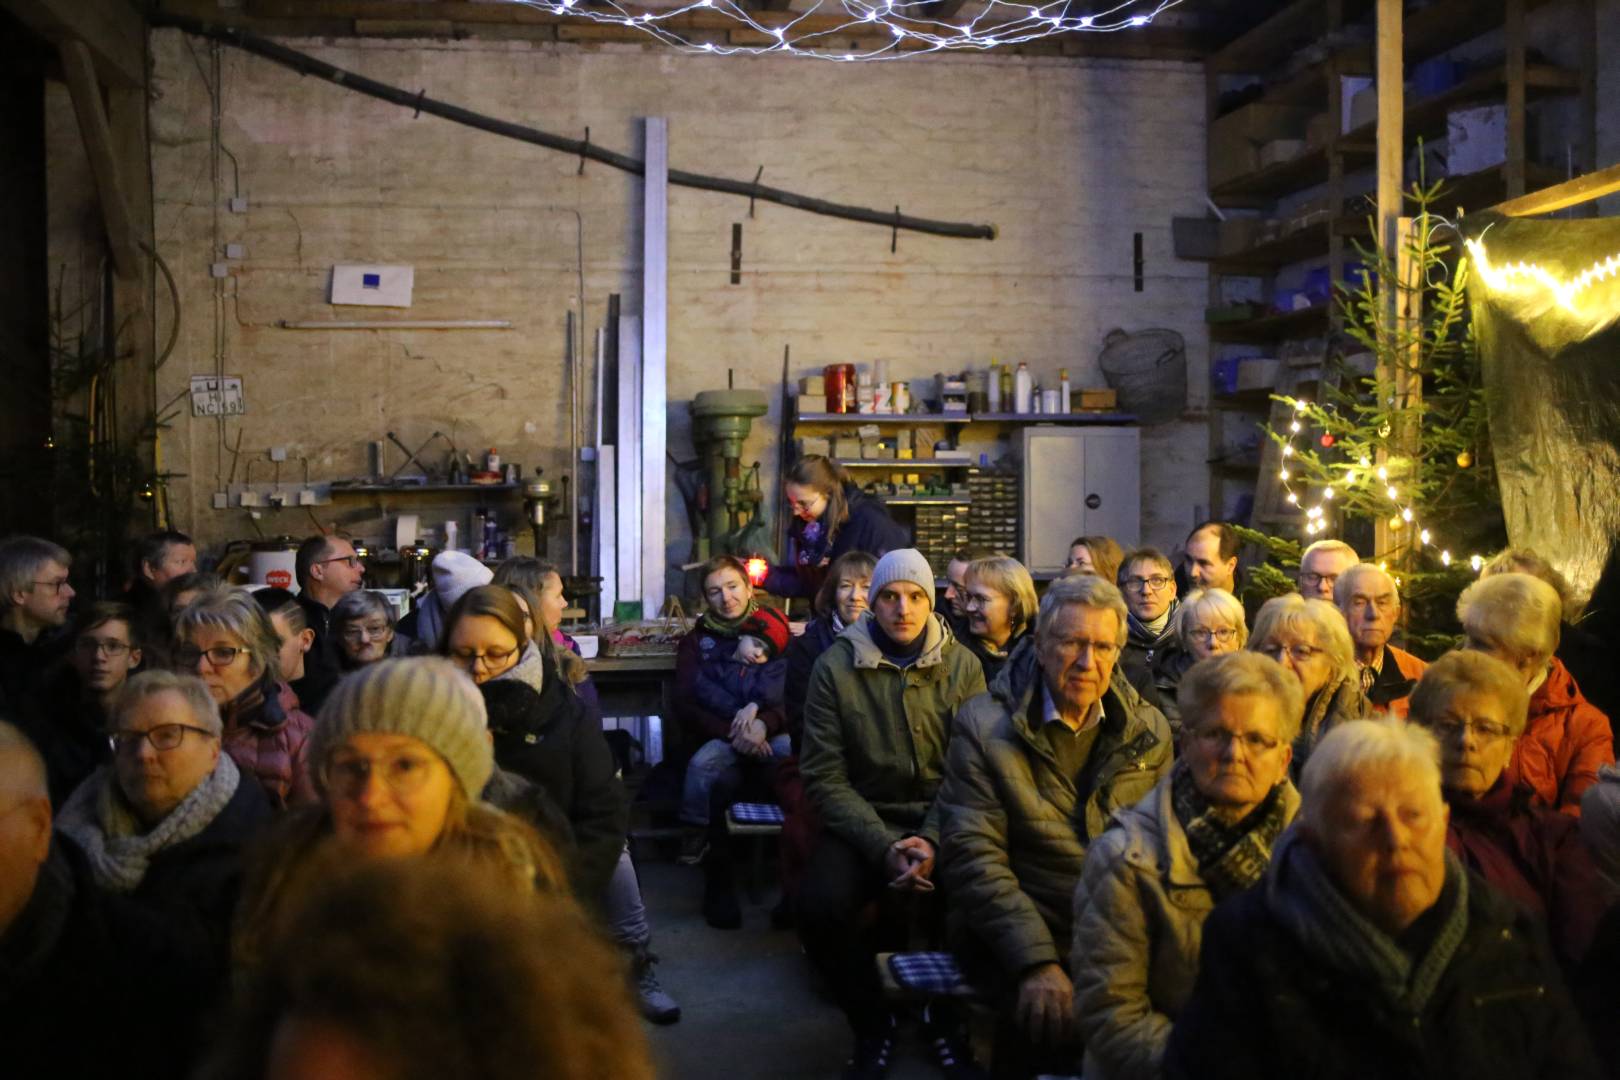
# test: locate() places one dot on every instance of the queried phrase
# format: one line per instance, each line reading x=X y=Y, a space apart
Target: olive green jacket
x=1016 y=828
x=875 y=735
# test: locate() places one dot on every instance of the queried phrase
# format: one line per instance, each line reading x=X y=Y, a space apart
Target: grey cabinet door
x=1079 y=481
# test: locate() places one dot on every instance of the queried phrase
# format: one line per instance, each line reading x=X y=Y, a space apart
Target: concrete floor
x=749 y=1007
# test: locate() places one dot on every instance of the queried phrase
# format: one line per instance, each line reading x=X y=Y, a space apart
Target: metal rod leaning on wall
x=305 y=64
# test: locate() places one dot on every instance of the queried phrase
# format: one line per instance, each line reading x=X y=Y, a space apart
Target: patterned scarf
x=98 y=819
x=715 y=623
x=1231 y=857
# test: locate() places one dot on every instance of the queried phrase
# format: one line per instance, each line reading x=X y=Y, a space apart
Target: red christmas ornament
x=1328 y=439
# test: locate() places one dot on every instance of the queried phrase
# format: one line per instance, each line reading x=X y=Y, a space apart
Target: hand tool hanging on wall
x=411 y=456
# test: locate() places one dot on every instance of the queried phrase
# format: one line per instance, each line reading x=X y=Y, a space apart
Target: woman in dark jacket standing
x=839 y=602
x=834 y=517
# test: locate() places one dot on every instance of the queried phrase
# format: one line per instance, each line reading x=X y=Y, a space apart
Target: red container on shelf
x=840 y=381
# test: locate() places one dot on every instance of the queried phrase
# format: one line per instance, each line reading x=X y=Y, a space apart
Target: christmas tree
x=1397 y=463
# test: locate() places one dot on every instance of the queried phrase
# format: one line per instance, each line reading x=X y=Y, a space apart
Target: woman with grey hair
x=1205 y=832
x=363 y=625
x=1516 y=618
x=1311 y=640
x=1475 y=706
x=1209 y=622
x=227 y=641
x=1367 y=950
x=165 y=822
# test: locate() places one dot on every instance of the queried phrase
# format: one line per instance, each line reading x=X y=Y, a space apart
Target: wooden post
x=1513 y=33
x=1391 y=157
x=80 y=71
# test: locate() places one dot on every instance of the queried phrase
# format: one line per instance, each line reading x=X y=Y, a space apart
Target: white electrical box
x=374 y=286
x=1079 y=482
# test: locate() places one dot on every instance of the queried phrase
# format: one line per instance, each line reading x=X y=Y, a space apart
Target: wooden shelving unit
x=1339 y=36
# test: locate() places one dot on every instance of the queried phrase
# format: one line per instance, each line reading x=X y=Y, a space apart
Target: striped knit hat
x=425 y=697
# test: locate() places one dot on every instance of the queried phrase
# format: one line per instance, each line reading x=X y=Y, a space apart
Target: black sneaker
x=694 y=846
x=873 y=1053
x=950 y=1053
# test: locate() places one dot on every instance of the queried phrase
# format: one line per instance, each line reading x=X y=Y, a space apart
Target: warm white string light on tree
x=860 y=30
x=1363 y=472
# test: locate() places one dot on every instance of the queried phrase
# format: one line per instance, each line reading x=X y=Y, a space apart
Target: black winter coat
x=70 y=733
x=197 y=881
x=93 y=985
x=549 y=738
x=1263 y=1006
x=802 y=654
x=993 y=662
x=869 y=529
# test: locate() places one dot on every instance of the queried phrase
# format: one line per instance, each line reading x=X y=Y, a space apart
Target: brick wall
x=1067 y=159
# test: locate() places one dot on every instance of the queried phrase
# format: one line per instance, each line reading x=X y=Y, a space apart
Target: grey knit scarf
x=1311 y=907
x=100 y=821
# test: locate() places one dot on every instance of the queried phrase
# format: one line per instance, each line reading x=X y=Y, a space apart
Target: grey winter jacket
x=1016 y=828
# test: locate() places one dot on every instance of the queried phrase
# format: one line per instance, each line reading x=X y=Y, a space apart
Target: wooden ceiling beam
x=79 y=67
x=112 y=30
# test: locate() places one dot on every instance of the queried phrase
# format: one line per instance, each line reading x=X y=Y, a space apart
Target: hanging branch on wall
x=417 y=101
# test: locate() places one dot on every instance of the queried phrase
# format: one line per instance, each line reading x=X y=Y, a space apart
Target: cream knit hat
x=425 y=697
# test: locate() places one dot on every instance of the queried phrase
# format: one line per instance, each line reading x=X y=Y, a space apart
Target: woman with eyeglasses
x=1310 y=639
x=400 y=758
x=226 y=640
x=1205 y=832
x=363 y=625
x=165 y=822
x=541 y=730
x=1476 y=707
x=1208 y=623
x=831 y=516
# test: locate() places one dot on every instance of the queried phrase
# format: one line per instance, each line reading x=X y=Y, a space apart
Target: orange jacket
x=1565 y=743
x=1410 y=667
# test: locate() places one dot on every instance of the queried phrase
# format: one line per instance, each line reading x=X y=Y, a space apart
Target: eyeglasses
x=364 y=631
x=1487 y=730
x=54 y=586
x=89 y=646
x=1254 y=743
x=1300 y=654
x=218 y=656
x=351 y=561
x=162 y=737
x=1156 y=583
x=404 y=774
x=1223 y=635
x=1312 y=581
x=470 y=660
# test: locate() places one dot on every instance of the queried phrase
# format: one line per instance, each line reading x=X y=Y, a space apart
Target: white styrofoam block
x=235 y=251
x=1476 y=139
x=374 y=286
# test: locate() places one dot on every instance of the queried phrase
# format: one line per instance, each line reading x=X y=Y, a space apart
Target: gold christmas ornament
x=1397 y=523
x=1464 y=460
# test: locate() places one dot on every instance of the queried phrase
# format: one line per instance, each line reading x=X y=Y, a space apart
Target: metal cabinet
x=1079 y=482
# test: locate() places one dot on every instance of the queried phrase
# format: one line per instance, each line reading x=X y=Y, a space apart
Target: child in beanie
x=751 y=677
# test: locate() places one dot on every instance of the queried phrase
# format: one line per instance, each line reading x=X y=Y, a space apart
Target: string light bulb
x=812 y=32
x=1515 y=277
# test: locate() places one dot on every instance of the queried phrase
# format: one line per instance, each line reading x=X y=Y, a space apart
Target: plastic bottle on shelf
x=1023 y=387
x=992 y=386
x=492 y=462
x=1006 y=388
x=1065 y=392
x=450 y=529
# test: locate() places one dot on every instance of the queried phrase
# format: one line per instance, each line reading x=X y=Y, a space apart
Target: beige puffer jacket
x=1138 y=924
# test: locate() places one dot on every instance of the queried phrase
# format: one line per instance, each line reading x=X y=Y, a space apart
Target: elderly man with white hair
x=1370 y=602
x=1035 y=770
x=1320 y=566
x=1368 y=951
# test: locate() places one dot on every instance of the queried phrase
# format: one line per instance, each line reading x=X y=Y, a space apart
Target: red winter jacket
x=266 y=735
x=1565 y=743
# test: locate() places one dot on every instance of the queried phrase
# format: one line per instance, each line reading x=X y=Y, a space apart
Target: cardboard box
x=1195 y=238
x=1104 y=400
x=810 y=444
x=1235 y=139
x=1239 y=234
x=1257 y=373
x=1278 y=151
x=846 y=446
x=813 y=386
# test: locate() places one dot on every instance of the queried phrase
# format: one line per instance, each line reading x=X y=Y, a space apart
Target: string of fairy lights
x=1317 y=519
x=860 y=30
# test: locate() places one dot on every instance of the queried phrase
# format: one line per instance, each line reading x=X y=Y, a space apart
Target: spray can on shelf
x=992 y=386
x=1065 y=392
x=1023 y=387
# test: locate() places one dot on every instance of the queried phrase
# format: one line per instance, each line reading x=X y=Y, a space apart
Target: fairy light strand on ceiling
x=1363 y=472
x=902 y=29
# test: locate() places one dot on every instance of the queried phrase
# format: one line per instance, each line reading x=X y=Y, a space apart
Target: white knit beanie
x=903 y=564
x=455 y=572
x=425 y=697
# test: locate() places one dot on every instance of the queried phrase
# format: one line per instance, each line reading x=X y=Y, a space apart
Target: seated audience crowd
x=287 y=833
